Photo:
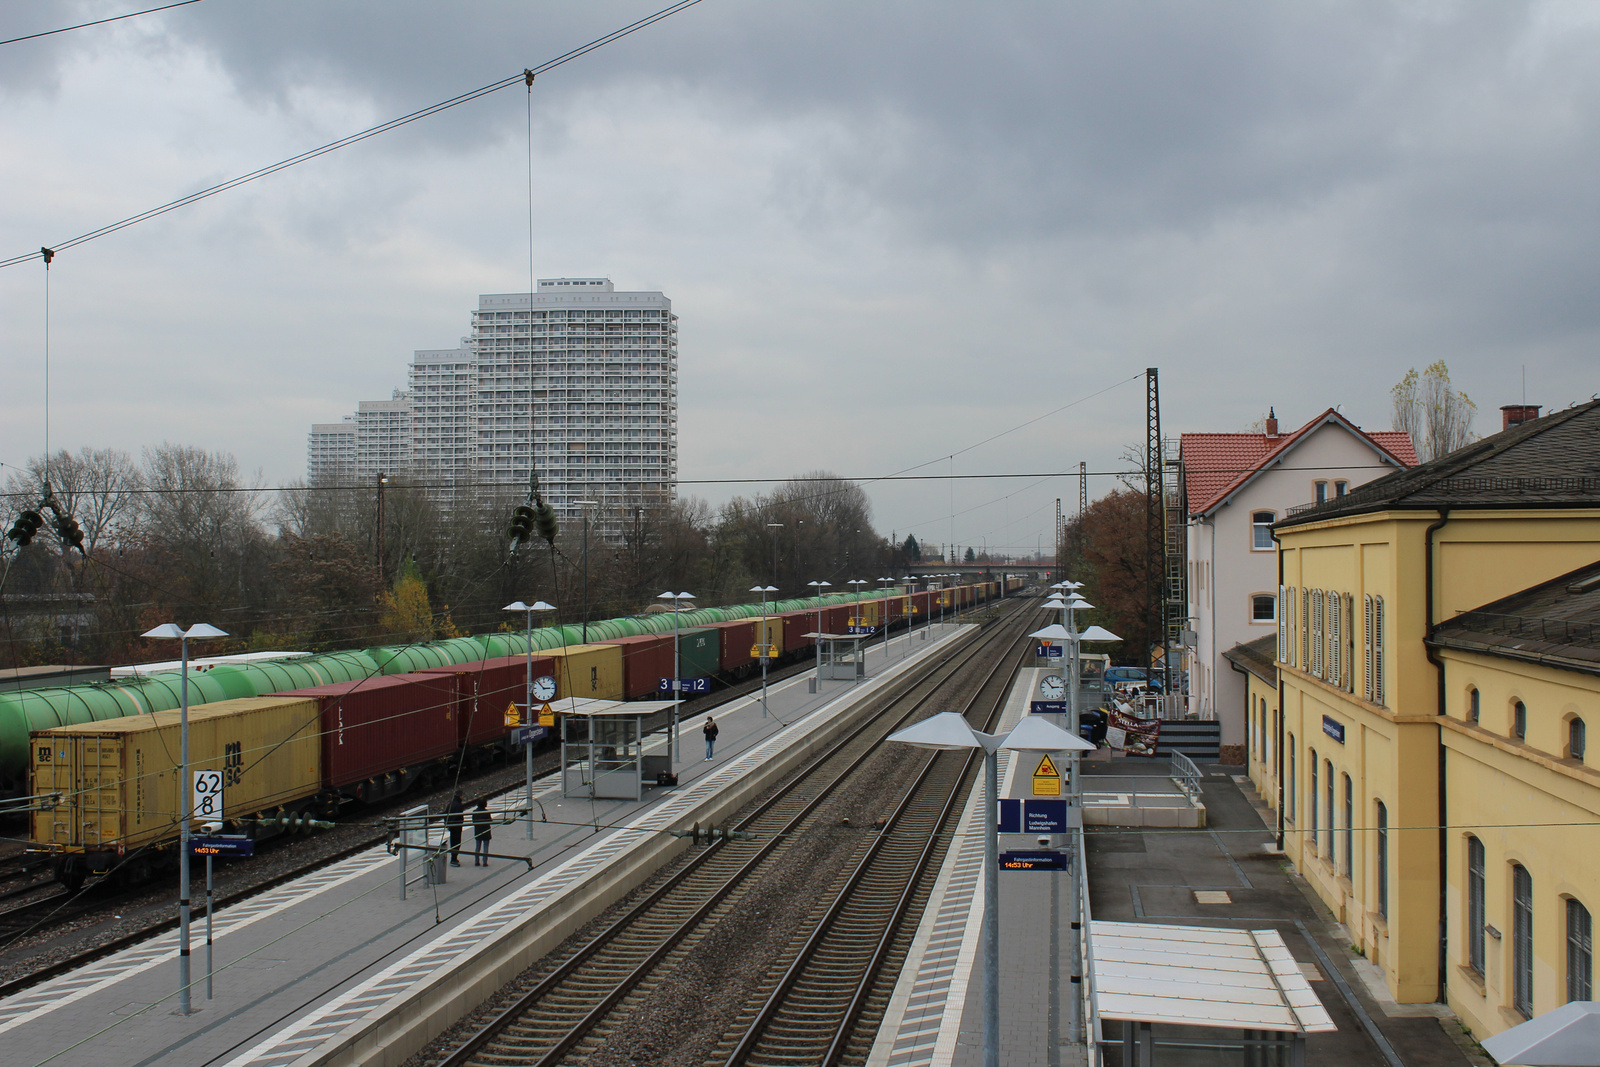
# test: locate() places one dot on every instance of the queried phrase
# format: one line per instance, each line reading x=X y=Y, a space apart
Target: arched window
x=1577 y=738
x=1333 y=818
x=1261 y=530
x=1580 y=952
x=1475 y=904
x=1349 y=829
x=1474 y=704
x=1519 y=721
x=1290 y=793
x=1383 y=860
x=1522 y=939
x=1263 y=607
x=1313 y=795
x=1322 y=491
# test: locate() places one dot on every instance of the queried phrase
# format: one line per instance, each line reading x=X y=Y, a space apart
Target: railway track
x=584 y=1001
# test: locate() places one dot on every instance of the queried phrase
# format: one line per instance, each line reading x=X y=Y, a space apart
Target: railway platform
x=1222 y=875
x=336 y=968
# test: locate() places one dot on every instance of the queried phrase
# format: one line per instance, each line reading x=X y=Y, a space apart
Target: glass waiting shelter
x=1178 y=991
x=843 y=658
x=602 y=747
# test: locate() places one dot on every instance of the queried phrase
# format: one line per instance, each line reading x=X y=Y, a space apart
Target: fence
x=1090 y=1012
x=1186 y=774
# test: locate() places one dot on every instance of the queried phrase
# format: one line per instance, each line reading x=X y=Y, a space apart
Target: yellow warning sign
x=513 y=717
x=1046 y=779
x=546 y=716
x=764 y=651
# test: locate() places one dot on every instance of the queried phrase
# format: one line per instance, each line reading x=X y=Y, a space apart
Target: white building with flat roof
x=577 y=379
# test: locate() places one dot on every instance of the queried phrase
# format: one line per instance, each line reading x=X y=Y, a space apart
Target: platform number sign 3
x=208 y=795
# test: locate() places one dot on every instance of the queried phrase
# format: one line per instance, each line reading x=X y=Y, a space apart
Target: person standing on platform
x=453 y=821
x=481 y=823
x=711 y=737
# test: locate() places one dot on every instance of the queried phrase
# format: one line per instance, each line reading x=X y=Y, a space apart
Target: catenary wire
x=97 y=22
x=356 y=138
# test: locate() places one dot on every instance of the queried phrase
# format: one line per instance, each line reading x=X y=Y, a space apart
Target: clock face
x=1052 y=687
x=544 y=687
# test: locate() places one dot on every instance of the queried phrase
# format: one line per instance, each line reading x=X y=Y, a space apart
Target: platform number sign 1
x=208 y=795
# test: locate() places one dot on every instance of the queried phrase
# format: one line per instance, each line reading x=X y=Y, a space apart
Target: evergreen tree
x=913 y=550
x=971 y=556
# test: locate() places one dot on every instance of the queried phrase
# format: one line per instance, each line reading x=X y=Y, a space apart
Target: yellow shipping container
x=119 y=778
x=592 y=671
x=773 y=632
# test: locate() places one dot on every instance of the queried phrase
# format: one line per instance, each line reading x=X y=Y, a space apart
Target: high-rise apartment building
x=331 y=451
x=375 y=440
x=576 y=378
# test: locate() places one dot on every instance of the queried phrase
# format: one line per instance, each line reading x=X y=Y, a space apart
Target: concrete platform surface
x=1222 y=875
x=335 y=968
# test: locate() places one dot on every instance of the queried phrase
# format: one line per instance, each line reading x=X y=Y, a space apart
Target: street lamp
x=537 y=605
x=886 y=583
x=950 y=730
x=585 y=505
x=816 y=683
x=762 y=642
x=171 y=631
x=677 y=682
x=911 y=608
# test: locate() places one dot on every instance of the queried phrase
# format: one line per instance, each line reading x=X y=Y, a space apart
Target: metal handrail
x=1091 y=996
x=1185 y=773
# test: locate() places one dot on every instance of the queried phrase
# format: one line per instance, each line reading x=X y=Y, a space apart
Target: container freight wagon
x=119 y=779
x=484 y=689
x=738 y=646
x=699 y=652
x=381 y=735
x=645 y=661
x=769 y=631
x=590 y=671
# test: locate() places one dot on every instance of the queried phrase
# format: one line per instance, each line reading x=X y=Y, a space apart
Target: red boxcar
x=484 y=689
x=645 y=661
x=796 y=624
x=377 y=726
x=738 y=638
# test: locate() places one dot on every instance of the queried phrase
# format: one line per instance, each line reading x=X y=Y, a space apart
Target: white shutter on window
x=1349 y=642
x=1305 y=630
x=1366 y=646
x=1318 y=620
x=1335 y=673
x=1283 y=627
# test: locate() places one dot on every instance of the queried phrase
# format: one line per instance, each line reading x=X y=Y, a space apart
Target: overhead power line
x=98 y=22
x=520 y=78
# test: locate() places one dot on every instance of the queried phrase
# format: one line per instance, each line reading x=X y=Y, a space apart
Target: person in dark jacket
x=482 y=821
x=453 y=821
x=711 y=737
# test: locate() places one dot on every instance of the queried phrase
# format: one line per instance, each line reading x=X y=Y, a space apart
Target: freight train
x=306 y=737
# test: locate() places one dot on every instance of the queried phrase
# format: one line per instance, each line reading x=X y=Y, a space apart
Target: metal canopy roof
x=1201 y=976
x=587 y=706
x=1568 y=1036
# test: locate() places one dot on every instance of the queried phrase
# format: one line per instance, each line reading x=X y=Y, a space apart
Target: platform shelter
x=842 y=658
x=603 y=747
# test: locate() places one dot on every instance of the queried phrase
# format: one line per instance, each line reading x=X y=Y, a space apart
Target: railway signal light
x=26 y=526
x=521 y=524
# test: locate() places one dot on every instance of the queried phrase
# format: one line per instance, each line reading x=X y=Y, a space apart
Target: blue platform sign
x=222 y=845
x=1034 y=817
x=1048 y=651
x=685 y=685
x=861 y=629
x=1333 y=728
x=523 y=735
x=1047 y=707
x=1037 y=860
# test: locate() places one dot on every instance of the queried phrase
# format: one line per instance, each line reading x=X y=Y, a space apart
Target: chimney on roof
x=1517 y=414
x=1272 y=422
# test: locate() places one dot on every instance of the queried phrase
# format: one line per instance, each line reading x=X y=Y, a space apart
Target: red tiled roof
x=1214 y=464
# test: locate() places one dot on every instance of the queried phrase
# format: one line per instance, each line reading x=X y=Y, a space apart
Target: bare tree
x=1437 y=418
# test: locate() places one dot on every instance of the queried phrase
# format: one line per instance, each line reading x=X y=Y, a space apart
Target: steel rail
x=535 y=1046
x=844 y=914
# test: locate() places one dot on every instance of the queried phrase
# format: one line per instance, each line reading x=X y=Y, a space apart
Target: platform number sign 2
x=208 y=795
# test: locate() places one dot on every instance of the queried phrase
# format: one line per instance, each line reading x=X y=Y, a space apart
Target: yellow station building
x=1421 y=732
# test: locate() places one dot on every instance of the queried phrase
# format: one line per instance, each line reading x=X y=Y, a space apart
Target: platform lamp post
x=171 y=631
x=774 y=527
x=949 y=730
x=528 y=720
x=763 y=641
x=886 y=583
x=816 y=683
x=911 y=612
x=677 y=682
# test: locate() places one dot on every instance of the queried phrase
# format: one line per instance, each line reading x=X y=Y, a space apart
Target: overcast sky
x=890 y=231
